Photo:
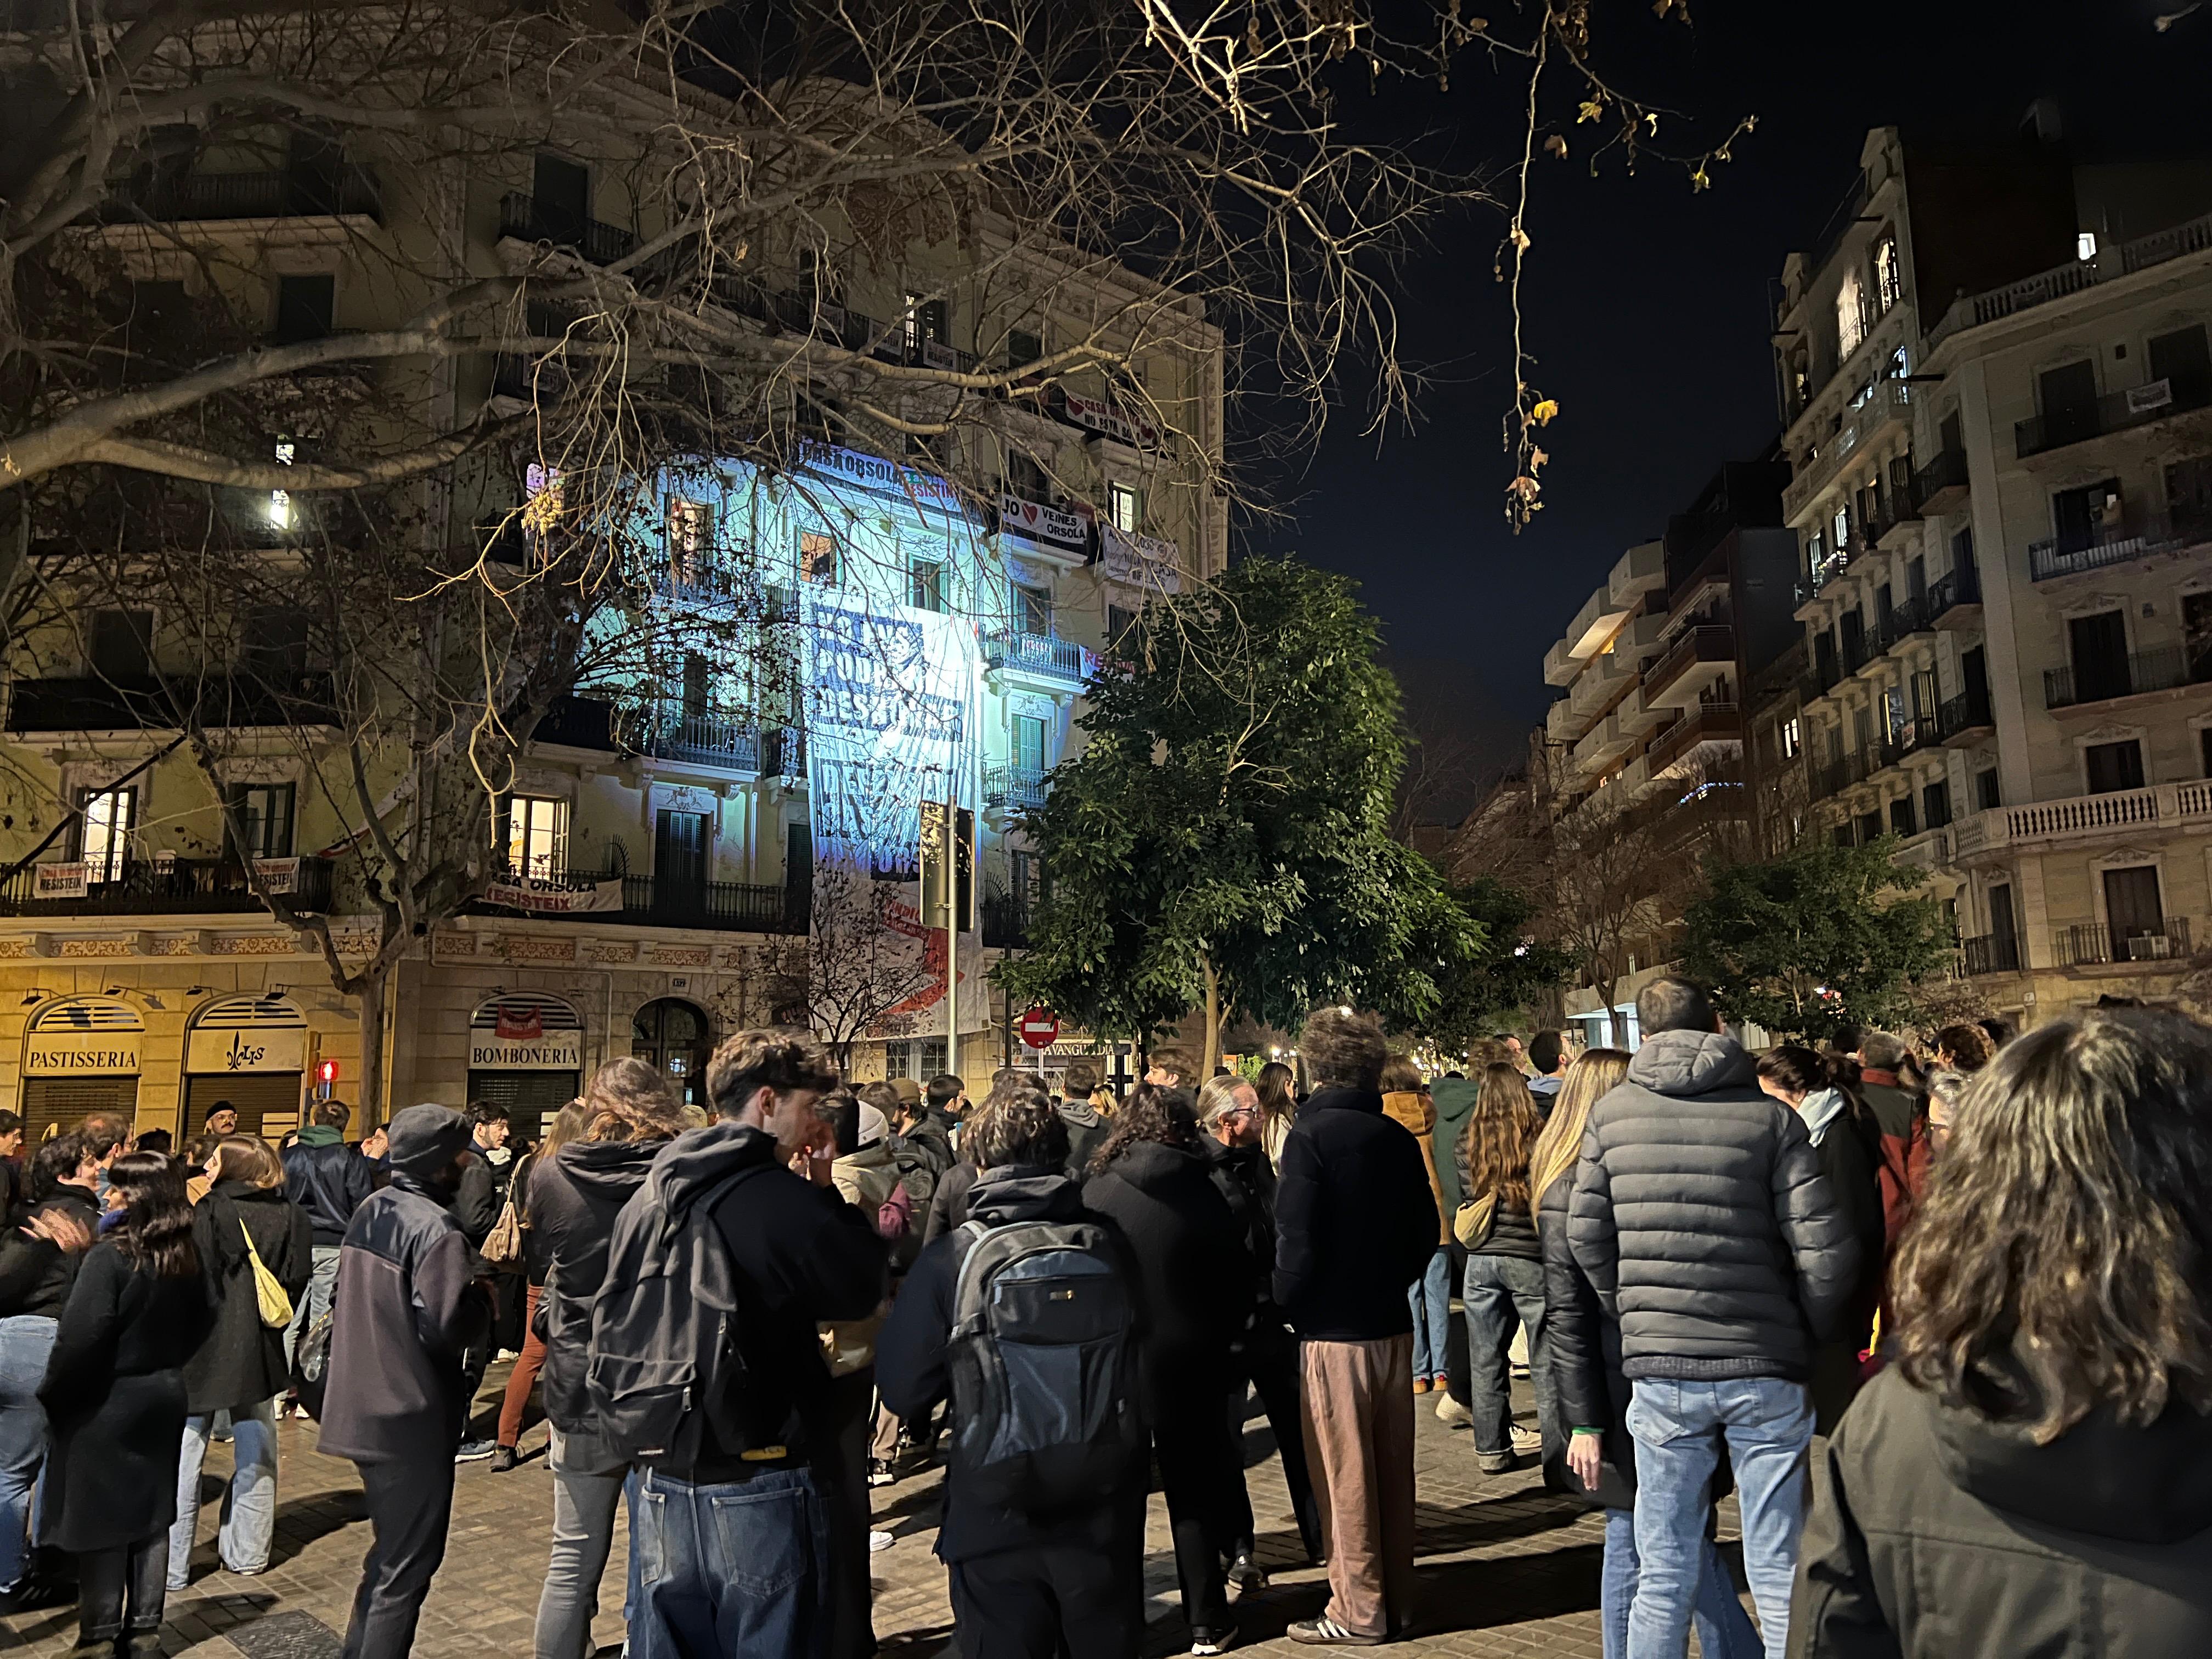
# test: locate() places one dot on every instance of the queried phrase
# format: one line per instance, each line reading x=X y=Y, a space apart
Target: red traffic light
x=327 y=1072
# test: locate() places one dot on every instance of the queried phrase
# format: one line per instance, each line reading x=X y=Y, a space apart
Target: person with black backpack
x=708 y=1371
x=1025 y=1317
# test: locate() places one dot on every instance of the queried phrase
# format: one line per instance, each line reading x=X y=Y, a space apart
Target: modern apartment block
x=654 y=864
x=1649 y=739
x=1995 y=375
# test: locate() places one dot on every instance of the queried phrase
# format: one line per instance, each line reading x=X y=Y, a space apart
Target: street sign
x=1040 y=1028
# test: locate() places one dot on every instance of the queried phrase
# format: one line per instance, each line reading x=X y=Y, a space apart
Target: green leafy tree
x=1823 y=937
x=1507 y=972
x=1224 y=839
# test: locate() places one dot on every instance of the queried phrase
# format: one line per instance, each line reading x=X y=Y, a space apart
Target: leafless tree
x=866 y=968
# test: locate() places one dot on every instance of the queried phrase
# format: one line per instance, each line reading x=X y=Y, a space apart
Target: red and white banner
x=556 y=898
x=1046 y=527
x=1112 y=420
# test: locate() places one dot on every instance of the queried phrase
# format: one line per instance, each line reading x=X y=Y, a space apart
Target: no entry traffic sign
x=1040 y=1028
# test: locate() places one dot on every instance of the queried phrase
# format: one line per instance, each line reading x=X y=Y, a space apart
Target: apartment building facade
x=1999 y=493
x=652 y=878
x=1646 y=749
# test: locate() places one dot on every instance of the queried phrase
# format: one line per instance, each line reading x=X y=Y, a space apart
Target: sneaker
x=1326 y=1631
x=1443 y=1381
x=507 y=1353
x=879 y=1473
x=1203 y=1641
x=1527 y=1440
x=1420 y=1385
x=1448 y=1410
x=303 y=1413
x=879 y=1542
x=474 y=1451
x=1503 y=1462
x=1246 y=1574
x=503 y=1460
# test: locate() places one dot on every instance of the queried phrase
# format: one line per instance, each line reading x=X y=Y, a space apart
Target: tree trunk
x=1212 y=1022
x=372 y=992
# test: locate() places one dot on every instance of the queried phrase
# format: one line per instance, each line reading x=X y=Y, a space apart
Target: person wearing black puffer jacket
x=1702 y=1221
x=1355 y=1224
x=239 y=1372
x=630 y=1111
x=1195 y=1273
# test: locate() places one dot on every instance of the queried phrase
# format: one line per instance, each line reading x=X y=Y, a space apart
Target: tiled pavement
x=1506 y=1571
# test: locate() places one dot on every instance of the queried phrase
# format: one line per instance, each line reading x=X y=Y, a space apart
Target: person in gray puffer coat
x=1704 y=1222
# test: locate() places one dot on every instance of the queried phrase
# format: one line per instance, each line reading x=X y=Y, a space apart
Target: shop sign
x=68 y=1054
x=62 y=881
x=1099 y=415
x=244 y=1049
x=1148 y=562
x=1046 y=526
x=545 y=897
x=555 y=1051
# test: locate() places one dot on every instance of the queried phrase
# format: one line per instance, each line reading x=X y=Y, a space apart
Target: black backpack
x=1043 y=1362
x=663 y=1352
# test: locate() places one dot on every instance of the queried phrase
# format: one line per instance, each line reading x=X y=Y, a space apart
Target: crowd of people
x=1965 y=1279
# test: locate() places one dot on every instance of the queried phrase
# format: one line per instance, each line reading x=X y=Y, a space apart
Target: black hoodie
x=1939 y=1534
x=1193 y=1267
x=1355 y=1220
x=805 y=1258
x=912 y=1374
x=573 y=1198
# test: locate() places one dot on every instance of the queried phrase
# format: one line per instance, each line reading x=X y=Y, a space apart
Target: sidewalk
x=1505 y=1568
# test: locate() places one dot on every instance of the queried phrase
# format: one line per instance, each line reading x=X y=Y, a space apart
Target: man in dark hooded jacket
x=1702 y=1219
x=407 y=1306
x=1025 y=1585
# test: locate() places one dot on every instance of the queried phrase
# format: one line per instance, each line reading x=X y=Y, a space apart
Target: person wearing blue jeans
x=1702 y=1219
x=1502 y=1292
x=25 y=1341
x=1431 y=1297
x=731 y=1566
x=249 y=1501
x=1724 y=1629
x=322 y=1280
x=1679 y=1427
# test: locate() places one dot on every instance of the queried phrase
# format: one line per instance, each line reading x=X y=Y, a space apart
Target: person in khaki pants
x=1355 y=1224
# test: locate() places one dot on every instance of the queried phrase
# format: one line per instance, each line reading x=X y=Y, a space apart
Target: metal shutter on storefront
x=267 y=1102
x=60 y=1103
x=531 y=1098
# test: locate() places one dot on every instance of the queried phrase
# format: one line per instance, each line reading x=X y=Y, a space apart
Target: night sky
x=1647 y=304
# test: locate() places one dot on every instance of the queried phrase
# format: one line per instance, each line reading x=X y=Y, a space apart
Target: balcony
x=783 y=753
x=2116 y=544
x=1941 y=486
x=1606 y=743
x=1898 y=514
x=579 y=722
x=1712 y=646
x=1709 y=722
x=722 y=742
x=1014 y=790
x=1964 y=719
x=1833 y=777
x=1045 y=655
x=1006 y=922
x=2160 y=668
x=2088 y=817
x=1902 y=623
x=1885 y=402
x=1954 y=601
x=1992 y=953
x=1928 y=850
x=526 y=219
x=2117 y=411
x=2093 y=945
x=203 y=197
x=735 y=907
x=1910 y=738
x=170 y=887
x=164 y=702
x=1973 y=310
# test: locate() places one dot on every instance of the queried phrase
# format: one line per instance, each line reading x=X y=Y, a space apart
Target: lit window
x=1843 y=529
x=280 y=501
x=1792 y=743
x=1124 y=508
x=536 y=834
x=2085 y=244
x=110 y=815
x=691 y=536
x=1888 y=277
x=1850 y=314
x=817 y=557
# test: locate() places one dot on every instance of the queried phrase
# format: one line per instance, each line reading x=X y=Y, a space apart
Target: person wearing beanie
x=407 y=1308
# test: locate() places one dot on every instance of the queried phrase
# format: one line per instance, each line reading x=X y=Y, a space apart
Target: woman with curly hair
x=1194 y=1281
x=2035 y=1474
x=115 y=1394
